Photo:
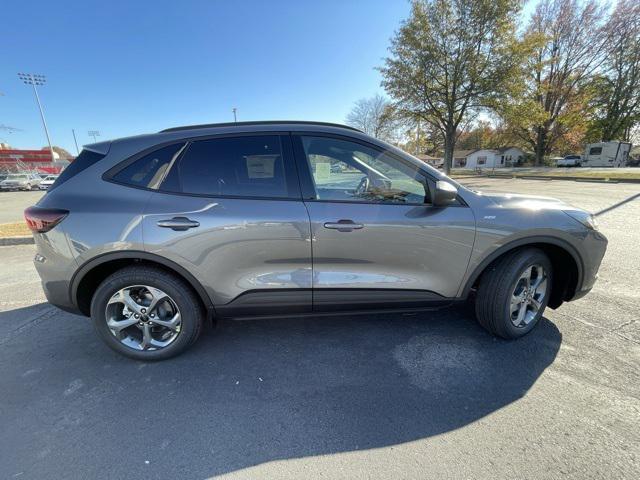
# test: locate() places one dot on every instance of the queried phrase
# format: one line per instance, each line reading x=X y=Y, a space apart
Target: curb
x=7 y=241
x=549 y=177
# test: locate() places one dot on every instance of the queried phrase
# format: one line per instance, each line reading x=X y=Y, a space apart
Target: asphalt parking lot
x=429 y=395
x=12 y=204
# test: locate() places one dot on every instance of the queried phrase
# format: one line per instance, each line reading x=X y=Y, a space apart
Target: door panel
x=239 y=245
x=374 y=229
x=408 y=247
x=236 y=221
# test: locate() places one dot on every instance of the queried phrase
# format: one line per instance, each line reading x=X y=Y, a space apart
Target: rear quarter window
x=82 y=162
x=149 y=170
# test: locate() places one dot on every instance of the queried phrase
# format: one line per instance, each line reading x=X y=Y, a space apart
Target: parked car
x=570 y=161
x=48 y=181
x=154 y=235
x=20 y=181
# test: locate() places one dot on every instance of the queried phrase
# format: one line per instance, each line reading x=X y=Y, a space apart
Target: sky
x=130 y=67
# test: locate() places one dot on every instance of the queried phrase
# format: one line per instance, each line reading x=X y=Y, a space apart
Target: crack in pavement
x=47 y=312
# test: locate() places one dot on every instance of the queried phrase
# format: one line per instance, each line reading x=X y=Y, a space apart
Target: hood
x=528 y=202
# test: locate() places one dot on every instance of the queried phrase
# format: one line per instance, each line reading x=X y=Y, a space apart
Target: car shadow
x=252 y=392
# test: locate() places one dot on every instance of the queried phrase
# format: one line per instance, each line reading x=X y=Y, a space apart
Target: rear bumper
x=55 y=265
x=58 y=296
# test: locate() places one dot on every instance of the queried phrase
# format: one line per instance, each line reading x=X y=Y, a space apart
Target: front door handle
x=344 y=225
x=178 y=223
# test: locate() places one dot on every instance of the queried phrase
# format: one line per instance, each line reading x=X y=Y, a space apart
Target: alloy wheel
x=143 y=318
x=528 y=295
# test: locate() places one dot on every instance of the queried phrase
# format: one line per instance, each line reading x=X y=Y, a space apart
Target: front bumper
x=594 y=246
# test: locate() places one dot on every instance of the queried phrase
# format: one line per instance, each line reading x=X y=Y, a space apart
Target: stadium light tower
x=94 y=134
x=39 y=80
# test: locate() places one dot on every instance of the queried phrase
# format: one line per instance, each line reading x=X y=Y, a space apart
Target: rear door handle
x=344 y=225
x=178 y=223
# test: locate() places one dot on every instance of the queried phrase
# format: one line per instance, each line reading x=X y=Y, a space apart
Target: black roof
x=266 y=122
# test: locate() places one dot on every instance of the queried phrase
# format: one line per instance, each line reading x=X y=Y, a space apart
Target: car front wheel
x=513 y=293
x=146 y=313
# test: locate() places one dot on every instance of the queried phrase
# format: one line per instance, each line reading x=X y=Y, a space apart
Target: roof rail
x=265 y=122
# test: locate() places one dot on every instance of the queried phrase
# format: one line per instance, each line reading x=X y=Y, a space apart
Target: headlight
x=585 y=218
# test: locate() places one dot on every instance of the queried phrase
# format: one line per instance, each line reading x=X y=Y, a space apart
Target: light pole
x=75 y=141
x=235 y=118
x=33 y=80
x=94 y=134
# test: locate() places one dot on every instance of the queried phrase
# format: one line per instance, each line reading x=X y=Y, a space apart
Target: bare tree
x=450 y=58
x=618 y=87
x=569 y=47
x=375 y=116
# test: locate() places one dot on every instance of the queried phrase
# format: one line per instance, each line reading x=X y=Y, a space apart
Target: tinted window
x=238 y=166
x=595 y=151
x=149 y=170
x=82 y=162
x=349 y=171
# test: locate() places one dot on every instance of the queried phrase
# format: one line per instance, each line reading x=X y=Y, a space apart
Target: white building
x=487 y=158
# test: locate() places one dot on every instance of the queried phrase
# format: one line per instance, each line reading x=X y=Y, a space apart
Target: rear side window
x=149 y=170
x=247 y=166
x=82 y=162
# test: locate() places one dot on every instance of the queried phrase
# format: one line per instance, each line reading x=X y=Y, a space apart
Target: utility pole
x=94 y=134
x=75 y=140
x=235 y=118
x=33 y=80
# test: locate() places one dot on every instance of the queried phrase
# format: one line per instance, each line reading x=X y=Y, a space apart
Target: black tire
x=191 y=313
x=496 y=287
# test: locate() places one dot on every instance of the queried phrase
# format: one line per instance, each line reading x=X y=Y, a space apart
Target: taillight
x=42 y=220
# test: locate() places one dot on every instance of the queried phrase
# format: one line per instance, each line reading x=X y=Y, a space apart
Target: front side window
x=246 y=166
x=348 y=171
x=149 y=170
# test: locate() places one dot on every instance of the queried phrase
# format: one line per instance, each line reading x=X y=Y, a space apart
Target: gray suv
x=152 y=236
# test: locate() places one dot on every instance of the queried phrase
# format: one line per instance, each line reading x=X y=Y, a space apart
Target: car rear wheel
x=146 y=313
x=513 y=293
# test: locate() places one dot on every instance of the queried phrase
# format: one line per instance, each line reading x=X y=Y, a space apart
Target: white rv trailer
x=606 y=154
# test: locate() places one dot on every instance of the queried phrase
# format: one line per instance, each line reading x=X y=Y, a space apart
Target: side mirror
x=444 y=193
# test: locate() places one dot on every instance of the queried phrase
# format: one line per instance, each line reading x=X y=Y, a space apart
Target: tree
x=568 y=41
x=617 y=98
x=375 y=116
x=420 y=138
x=451 y=58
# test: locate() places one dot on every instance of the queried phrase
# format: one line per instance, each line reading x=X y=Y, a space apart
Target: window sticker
x=260 y=166
x=323 y=170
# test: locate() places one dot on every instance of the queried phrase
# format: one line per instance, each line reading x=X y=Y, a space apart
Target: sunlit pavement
x=429 y=395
